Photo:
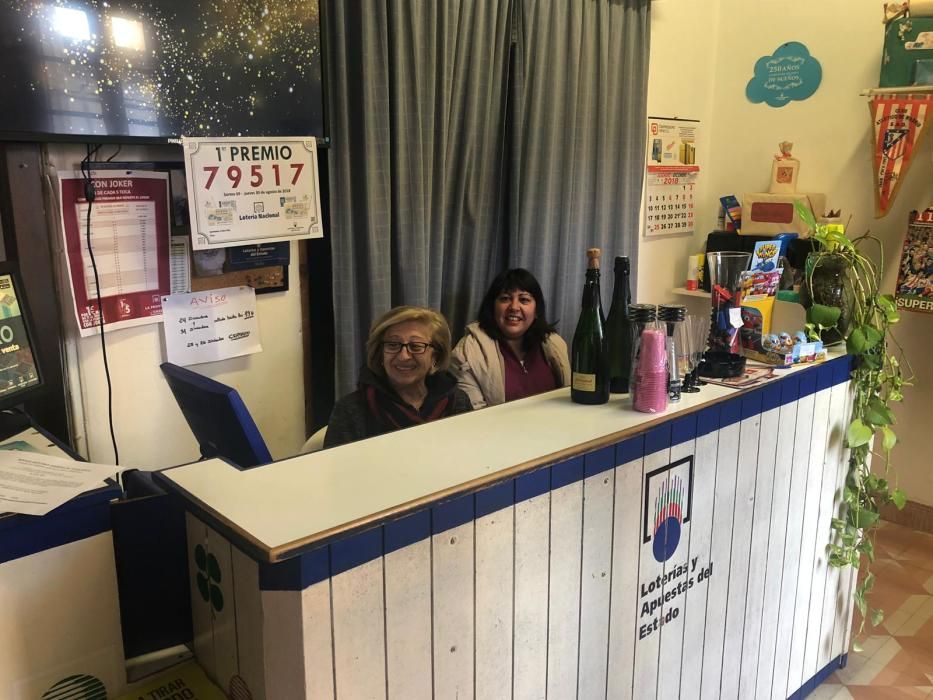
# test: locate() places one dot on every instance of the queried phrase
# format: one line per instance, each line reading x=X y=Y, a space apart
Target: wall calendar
x=672 y=172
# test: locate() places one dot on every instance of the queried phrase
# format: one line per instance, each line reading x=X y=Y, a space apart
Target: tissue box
x=766 y=214
x=907 y=41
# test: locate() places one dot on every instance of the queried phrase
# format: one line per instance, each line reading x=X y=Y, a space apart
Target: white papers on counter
x=34 y=483
x=211 y=325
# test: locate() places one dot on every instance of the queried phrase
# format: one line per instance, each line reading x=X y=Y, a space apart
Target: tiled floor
x=897 y=656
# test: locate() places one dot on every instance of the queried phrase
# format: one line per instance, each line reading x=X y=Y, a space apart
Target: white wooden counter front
x=535 y=549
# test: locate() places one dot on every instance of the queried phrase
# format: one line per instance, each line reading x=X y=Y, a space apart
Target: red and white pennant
x=899 y=122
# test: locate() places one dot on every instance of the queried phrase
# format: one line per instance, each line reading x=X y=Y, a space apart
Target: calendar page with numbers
x=672 y=172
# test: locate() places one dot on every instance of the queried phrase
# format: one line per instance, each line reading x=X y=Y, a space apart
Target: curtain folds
x=578 y=158
x=418 y=160
x=471 y=135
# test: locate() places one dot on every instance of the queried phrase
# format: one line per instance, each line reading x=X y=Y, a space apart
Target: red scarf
x=392 y=413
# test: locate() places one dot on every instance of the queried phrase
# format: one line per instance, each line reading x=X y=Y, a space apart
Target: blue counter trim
x=751 y=404
x=408 y=530
x=824 y=376
x=83 y=517
x=790 y=389
x=360 y=548
x=453 y=513
x=355 y=550
x=567 y=472
x=821 y=675
x=532 y=484
x=708 y=420
x=684 y=429
x=807 y=383
x=295 y=574
x=841 y=369
x=658 y=438
x=599 y=461
x=495 y=498
x=770 y=397
x=630 y=450
x=730 y=412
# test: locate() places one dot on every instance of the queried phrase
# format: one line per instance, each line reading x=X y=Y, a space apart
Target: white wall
x=681 y=83
x=150 y=429
x=700 y=70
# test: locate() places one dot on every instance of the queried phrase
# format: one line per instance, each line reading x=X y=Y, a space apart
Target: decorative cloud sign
x=790 y=73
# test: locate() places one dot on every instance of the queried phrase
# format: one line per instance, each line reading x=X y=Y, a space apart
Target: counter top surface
x=289 y=506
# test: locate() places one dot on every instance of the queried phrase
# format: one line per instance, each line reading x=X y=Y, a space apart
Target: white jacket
x=480 y=368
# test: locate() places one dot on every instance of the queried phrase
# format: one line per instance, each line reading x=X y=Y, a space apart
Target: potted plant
x=863 y=316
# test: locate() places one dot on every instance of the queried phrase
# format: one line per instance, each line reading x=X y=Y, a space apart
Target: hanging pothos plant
x=880 y=373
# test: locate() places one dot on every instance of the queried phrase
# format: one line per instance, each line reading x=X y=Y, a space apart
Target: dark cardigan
x=353 y=420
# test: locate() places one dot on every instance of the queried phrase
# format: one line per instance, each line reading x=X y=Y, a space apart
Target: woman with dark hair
x=405 y=381
x=510 y=351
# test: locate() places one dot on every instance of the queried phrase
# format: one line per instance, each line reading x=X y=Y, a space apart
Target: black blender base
x=722 y=365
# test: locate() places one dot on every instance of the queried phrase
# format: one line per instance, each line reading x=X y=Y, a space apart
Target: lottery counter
x=538 y=548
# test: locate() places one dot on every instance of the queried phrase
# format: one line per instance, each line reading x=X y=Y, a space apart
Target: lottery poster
x=915 y=274
x=247 y=191
x=129 y=233
x=671 y=178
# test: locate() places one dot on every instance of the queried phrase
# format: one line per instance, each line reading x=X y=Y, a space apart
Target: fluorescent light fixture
x=127 y=33
x=71 y=23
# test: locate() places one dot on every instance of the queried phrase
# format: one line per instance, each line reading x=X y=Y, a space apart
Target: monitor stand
x=13 y=423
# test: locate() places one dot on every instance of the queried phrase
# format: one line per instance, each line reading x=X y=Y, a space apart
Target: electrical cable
x=89 y=195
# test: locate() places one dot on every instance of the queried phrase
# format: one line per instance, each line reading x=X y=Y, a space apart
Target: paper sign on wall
x=252 y=190
x=209 y=326
x=915 y=274
x=789 y=74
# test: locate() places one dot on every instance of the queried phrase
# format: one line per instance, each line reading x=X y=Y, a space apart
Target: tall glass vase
x=825 y=283
x=725 y=269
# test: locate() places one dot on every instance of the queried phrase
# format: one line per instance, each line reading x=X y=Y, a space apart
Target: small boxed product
x=784 y=350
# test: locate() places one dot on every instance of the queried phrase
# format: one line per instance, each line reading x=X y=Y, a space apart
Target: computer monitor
x=19 y=367
x=218 y=417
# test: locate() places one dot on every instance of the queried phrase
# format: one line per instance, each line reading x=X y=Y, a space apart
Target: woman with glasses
x=511 y=351
x=405 y=381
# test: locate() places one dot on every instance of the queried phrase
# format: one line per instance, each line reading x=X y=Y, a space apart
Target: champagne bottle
x=619 y=329
x=589 y=362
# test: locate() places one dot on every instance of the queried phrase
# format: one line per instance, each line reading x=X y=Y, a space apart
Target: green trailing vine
x=880 y=373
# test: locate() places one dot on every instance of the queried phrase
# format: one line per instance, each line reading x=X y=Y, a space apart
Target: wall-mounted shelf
x=684 y=292
x=897 y=90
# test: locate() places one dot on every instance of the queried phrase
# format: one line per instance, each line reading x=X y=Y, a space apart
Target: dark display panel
x=160 y=69
x=18 y=370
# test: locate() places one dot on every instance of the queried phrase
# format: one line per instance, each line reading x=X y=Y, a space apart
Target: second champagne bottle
x=589 y=360
x=619 y=330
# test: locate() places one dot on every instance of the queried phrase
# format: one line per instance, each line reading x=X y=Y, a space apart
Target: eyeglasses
x=393 y=347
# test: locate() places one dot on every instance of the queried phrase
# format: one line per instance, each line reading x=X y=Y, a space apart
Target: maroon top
x=527 y=377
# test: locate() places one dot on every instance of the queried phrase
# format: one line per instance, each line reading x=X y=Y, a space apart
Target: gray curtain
x=418 y=163
x=472 y=135
x=580 y=95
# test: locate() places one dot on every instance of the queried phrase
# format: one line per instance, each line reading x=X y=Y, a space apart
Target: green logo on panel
x=77 y=688
x=208 y=578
